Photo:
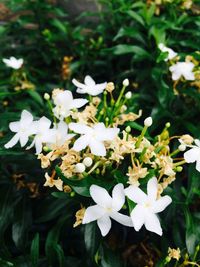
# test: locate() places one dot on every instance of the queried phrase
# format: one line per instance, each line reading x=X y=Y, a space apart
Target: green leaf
x=123 y=49
x=136 y=17
x=35 y=246
x=36 y=97
x=92 y=238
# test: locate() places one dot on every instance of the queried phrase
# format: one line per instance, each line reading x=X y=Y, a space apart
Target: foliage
x=36 y=223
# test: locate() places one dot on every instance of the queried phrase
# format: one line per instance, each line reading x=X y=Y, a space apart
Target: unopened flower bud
x=182 y=147
x=179 y=168
x=187 y=139
x=123 y=108
x=168 y=124
x=79 y=167
x=128 y=129
x=148 y=122
x=126 y=82
x=87 y=161
x=46 y=96
x=110 y=87
x=128 y=95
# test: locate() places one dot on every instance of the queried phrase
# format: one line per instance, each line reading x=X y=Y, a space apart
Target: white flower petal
x=152 y=189
x=138 y=217
x=197 y=142
x=78 y=84
x=44 y=124
x=23 y=139
x=81 y=91
x=89 y=81
x=189 y=76
x=14 y=126
x=92 y=214
x=80 y=128
x=152 y=223
x=118 y=197
x=97 y=147
x=38 y=146
x=26 y=117
x=81 y=143
x=161 y=204
x=198 y=165
x=78 y=103
x=13 y=141
x=135 y=194
x=192 y=155
x=121 y=218
x=101 y=196
x=104 y=224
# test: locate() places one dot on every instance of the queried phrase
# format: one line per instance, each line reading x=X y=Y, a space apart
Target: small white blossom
x=147 y=206
x=13 y=63
x=182 y=69
x=89 y=87
x=87 y=161
x=126 y=82
x=93 y=137
x=193 y=155
x=79 y=167
x=64 y=103
x=171 y=53
x=182 y=147
x=23 y=129
x=148 y=122
x=128 y=95
x=43 y=135
x=106 y=207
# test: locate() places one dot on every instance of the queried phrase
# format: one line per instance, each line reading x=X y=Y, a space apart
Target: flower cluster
x=95 y=144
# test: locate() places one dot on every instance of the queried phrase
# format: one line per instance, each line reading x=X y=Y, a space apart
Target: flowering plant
x=101 y=147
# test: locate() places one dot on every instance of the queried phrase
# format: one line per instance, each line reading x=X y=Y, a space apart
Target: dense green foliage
x=36 y=223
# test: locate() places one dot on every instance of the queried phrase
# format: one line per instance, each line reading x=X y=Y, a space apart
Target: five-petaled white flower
x=171 y=53
x=43 y=135
x=64 y=103
x=93 y=137
x=90 y=87
x=147 y=206
x=106 y=207
x=13 y=63
x=193 y=154
x=182 y=69
x=23 y=129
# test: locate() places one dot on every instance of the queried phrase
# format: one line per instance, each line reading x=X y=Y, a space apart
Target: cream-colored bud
x=46 y=96
x=187 y=139
x=128 y=95
x=110 y=87
x=87 y=161
x=148 y=122
x=126 y=82
x=182 y=147
x=79 y=167
x=123 y=108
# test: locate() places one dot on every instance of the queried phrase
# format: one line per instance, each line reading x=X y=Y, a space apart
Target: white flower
x=182 y=69
x=23 y=129
x=171 y=53
x=89 y=87
x=64 y=102
x=61 y=133
x=193 y=154
x=43 y=135
x=147 y=206
x=93 y=137
x=107 y=207
x=13 y=63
